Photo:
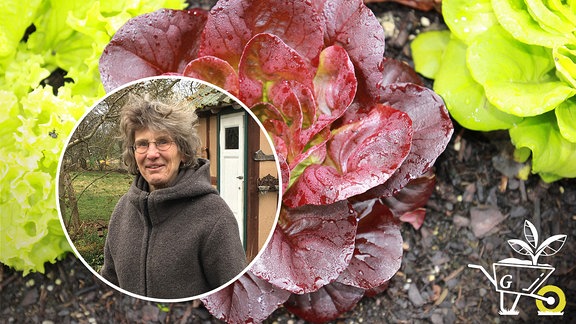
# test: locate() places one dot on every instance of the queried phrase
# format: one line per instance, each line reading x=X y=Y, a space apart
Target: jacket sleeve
x=108 y=270
x=223 y=256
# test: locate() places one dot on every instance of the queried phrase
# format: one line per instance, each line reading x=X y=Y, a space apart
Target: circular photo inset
x=168 y=189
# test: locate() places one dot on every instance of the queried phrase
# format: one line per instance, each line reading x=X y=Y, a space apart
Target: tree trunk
x=73 y=222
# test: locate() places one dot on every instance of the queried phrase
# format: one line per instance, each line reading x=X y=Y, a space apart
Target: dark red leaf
x=285 y=172
x=290 y=115
x=414 y=217
x=214 y=70
x=378 y=253
x=432 y=131
x=310 y=247
x=232 y=23
x=326 y=304
x=377 y=290
x=353 y=26
x=303 y=95
x=413 y=196
x=361 y=155
x=267 y=61
x=247 y=300
x=285 y=129
x=271 y=118
x=152 y=44
x=307 y=128
x=394 y=71
x=334 y=84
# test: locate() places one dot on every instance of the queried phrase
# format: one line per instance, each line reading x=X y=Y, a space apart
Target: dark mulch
x=434 y=284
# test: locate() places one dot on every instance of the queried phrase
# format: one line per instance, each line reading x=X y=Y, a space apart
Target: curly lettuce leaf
x=28 y=175
x=15 y=17
x=24 y=73
x=334 y=84
x=37 y=119
x=396 y=71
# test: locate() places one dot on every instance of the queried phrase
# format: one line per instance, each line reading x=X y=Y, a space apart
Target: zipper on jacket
x=148 y=233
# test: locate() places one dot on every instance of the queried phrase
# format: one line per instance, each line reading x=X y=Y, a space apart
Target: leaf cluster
x=356 y=135
x=41 y=39
x=509 y=64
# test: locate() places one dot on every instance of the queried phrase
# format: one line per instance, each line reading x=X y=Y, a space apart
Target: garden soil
x=478 y=205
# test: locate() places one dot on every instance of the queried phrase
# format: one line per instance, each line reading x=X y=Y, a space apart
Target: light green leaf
x=549 y=20
x=15 y=17
x=24 y=73
x=518 y=78
x=468 y=18
x=563 y=9
x=52 y=31
x=427 y=50
x=8 y=120
x=565 y=60
x=566 y=115
x=527 y=99
x=515 y=18
x=552 y=155
x=464 y=97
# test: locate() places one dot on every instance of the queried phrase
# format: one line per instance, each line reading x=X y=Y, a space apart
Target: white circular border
x=163 y=300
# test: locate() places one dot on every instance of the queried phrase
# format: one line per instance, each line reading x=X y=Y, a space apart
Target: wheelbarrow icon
x=514 y=278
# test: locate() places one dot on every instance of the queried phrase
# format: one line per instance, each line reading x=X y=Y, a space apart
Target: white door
x=232 y=165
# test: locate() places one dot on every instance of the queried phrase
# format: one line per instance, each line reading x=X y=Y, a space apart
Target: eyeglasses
x=162 y=144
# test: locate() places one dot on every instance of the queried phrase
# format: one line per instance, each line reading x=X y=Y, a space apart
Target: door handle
x=240 y=177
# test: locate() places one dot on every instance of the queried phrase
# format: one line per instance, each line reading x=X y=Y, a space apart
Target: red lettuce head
x=356 y=135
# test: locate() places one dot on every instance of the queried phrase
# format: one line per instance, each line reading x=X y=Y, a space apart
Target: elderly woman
x=171 y=235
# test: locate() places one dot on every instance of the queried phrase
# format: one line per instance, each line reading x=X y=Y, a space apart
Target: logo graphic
x=516 y=277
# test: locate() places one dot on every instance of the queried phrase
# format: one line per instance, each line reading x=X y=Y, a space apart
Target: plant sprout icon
x=549 y=247
x=550 y=300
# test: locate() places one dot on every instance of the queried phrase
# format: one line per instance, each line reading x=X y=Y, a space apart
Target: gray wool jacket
x=174 y=242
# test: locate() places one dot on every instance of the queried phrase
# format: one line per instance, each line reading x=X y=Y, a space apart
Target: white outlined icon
x=550 y=300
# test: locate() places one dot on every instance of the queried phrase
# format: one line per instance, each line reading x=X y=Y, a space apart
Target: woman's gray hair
x=177 y=119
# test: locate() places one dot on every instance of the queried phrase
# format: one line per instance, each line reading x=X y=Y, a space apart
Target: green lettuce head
x=36 y=120
x=509 y=64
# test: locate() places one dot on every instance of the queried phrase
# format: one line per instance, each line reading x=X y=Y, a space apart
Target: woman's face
x=158 y=167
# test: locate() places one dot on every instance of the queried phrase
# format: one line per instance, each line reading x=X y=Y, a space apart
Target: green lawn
x=98 y=200
x=97 y=193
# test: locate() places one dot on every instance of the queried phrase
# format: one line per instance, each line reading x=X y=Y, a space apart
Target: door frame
x=224 y=112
